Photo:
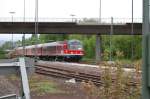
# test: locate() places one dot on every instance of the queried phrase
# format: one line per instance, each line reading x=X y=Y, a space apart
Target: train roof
x=42 y=45
x=52 y=44
x=48 y=44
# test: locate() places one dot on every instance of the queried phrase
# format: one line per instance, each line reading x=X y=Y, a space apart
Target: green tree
x=44 y=38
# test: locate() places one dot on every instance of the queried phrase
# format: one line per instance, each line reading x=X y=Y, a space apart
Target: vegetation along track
x=86 y=74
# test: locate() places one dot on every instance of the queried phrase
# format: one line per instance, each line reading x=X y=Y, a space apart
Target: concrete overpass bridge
x=69 y=28
x=73 y=26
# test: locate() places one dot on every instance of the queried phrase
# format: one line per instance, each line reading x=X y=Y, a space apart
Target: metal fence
x=11 y=96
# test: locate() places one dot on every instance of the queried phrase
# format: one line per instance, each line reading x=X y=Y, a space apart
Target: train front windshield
x=75 y=45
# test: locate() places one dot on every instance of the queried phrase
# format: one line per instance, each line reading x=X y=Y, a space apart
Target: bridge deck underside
x=68 y=28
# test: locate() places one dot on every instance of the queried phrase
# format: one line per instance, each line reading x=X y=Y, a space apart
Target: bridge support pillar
x=98 y=48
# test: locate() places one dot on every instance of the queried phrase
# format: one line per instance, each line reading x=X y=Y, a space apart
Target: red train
x=71 y=50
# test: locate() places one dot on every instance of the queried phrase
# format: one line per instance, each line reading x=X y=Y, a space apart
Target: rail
x=80 y=73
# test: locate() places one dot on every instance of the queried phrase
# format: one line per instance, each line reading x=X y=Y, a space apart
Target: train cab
x=73 y=50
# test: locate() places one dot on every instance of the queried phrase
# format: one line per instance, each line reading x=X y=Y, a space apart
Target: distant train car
x=71 y=50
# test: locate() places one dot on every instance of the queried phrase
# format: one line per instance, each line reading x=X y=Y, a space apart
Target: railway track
x=68 y=72
x=52 y=70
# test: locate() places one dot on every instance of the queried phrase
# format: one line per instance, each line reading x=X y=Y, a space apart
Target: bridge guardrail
x=76 y=20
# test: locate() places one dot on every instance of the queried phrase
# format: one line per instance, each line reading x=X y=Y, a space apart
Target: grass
x=123 y=61
x=44 y=86
x=40 y=85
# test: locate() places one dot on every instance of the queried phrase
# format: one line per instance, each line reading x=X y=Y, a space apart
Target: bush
x=117 y=84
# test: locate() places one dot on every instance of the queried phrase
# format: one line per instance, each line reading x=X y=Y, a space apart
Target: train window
x=44 y=49
x=33 y=50
x=49 y=47
x=75 y=45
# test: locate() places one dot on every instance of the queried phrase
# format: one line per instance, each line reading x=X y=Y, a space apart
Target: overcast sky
x=63 y=9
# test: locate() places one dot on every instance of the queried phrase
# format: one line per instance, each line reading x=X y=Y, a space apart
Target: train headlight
x=79 y=48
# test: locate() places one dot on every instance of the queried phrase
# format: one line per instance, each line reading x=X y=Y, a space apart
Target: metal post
x=12 y=32
x=24 y=10
x=24 y=79
x=23 y=44
x=72 y=15
x=132 y=34
x=23 y=38
x=146 y=51
x=12 y=36
x=98 y=48
x=110 y=39
x=36 y=27
x=100 y=11
x=98 y=40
